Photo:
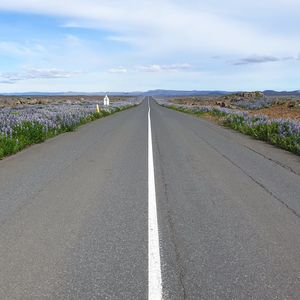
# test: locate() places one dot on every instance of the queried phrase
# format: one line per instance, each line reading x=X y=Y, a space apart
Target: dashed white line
x=154 y=267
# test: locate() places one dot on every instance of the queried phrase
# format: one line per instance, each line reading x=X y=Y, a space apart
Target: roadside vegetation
x=21 y=127
x=284 y=133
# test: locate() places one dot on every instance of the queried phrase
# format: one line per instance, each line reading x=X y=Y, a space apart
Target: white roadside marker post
x=106 y=101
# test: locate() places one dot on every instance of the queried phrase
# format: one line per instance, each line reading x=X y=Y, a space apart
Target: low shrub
x=19 y=129
x=282 y=133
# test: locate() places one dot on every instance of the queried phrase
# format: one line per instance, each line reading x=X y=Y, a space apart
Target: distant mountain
x=282 y=93
x=174 y=93
x=154 y=93
x=72 y=94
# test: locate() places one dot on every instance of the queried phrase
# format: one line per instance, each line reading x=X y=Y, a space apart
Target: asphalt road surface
x=74 y=213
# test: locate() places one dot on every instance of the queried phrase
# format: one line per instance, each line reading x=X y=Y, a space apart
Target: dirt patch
x=195 y=101
x=274 y=107
x=279 y=112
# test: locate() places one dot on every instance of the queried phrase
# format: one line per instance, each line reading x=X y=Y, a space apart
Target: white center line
x=154 y=269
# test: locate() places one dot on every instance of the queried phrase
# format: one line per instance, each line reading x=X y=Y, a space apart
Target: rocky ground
x=13 y=101
x=286 y=107
x=280 y=111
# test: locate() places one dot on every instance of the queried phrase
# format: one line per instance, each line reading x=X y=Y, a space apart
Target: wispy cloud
x=6 y=81
x=35 y=73
x=21 y=49
x=159 y=68
x=171 y=25
x=148 y=36
x=73 y=40
x=120 y=70
x=259 y=60
x=48 y=73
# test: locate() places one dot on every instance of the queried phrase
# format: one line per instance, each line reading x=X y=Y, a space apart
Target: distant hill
x=72 y=94
x=171 y=93
x=174 y=93
x=282 y=93
x=157 y=93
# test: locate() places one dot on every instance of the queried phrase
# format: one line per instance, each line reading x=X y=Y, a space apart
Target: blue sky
x=114 y=45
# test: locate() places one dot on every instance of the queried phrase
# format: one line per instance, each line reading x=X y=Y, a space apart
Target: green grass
x=33 y=133
x=269 y=133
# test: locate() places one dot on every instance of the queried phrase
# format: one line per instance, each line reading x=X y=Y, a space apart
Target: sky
x=114 y=45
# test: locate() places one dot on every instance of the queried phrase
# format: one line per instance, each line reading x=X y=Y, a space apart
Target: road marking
x=154 y=270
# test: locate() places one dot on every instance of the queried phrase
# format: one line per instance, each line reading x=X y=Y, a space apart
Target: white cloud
x=35 y=73
x=48 y=73
x=150 y=68
x=258 y=59
x=19 y=49
x=255 y=60
x=120 y=70
x=159 y=68
x=73 y=40
x=175 y=25
x=138 y=33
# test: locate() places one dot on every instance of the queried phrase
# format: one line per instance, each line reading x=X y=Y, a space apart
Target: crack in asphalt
x=205 y=123
x=273 y=160
x=248 y=175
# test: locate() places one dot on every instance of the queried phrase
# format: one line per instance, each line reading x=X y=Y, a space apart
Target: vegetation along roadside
x=283 y=133
x=20 y=128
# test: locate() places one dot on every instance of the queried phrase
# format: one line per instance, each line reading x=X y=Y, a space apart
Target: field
x=275 y=120
x=280 y=112
x=287 y=107
x=27 y=121
x=17 y=101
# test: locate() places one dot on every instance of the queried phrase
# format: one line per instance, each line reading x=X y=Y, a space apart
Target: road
x=74 y=213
